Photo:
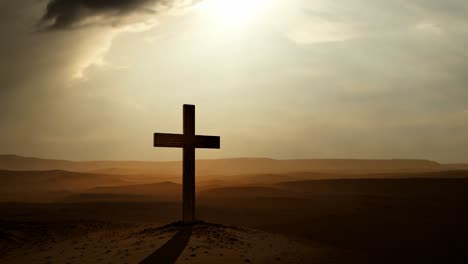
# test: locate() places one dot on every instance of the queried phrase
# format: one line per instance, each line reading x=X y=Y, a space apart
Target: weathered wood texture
x=165 y=140
x=169 y=140
x=188 y=214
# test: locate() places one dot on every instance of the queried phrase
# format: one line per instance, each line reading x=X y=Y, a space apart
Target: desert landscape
x=233 y=131
x=252 y=211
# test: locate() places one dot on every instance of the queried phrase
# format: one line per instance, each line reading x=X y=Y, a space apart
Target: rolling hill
x=54 y=180
x=235 y=166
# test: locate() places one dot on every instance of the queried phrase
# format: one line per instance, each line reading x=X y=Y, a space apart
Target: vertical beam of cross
x=189 y=142
x=188 y=214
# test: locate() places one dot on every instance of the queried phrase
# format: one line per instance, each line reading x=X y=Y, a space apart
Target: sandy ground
x=337 y=221
x=202 y=243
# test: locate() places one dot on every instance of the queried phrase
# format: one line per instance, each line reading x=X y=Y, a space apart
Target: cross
x=189 y=142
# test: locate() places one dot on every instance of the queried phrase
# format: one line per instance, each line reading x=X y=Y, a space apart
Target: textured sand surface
x=207 y=243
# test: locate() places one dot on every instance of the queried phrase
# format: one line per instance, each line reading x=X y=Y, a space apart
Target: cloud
x=316 y=21
x=318 y=31
x=114 y=17
x=67 y=14
x=358 y=78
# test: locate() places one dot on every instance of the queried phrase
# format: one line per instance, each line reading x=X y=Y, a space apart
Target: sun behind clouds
x=234 y=13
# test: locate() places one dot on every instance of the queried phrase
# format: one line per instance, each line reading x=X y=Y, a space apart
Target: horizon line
x=233 y=158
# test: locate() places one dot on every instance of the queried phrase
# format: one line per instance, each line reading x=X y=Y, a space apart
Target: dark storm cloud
x=63 y=14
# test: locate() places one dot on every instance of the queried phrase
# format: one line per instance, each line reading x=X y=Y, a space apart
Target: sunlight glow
x=233 y=12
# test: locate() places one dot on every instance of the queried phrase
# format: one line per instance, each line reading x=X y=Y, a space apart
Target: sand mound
x=200 y=243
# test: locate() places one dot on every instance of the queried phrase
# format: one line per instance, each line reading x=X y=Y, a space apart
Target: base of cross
x=193 y=223
x=189 y=223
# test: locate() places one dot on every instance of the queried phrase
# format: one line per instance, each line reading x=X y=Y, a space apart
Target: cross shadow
x=169 y=252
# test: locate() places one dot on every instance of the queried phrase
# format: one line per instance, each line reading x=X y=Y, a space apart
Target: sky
x=286 y=79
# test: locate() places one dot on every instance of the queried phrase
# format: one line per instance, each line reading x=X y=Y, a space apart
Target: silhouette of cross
x=189 y=142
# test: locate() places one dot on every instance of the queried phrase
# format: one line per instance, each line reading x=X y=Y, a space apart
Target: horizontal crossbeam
x=207 y=142
x=168 y=140
x=180 y=141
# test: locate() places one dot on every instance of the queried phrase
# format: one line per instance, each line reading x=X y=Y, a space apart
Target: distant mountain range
x=235 y=166
x=45 y=180
x=54 y=180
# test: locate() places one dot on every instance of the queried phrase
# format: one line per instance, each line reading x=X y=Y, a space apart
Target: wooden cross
x=188 y=141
